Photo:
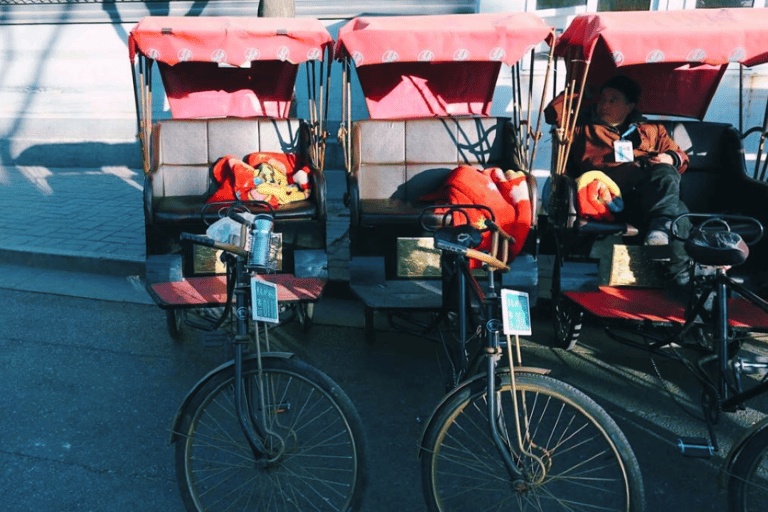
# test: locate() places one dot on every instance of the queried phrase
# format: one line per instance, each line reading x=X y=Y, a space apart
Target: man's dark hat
x=624 y=85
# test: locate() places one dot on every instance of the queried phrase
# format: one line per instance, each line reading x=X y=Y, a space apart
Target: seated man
x=644 y=162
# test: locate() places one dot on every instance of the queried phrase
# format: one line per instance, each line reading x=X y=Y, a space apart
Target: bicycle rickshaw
x=230 y=85
x=504 y=435
x=264 y=430
x=679 y=58
x=429 y=83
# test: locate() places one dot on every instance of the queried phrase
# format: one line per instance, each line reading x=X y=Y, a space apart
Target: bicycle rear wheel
x=322 y=465
x=567 y=319
x=585 y=461
x=748 y=480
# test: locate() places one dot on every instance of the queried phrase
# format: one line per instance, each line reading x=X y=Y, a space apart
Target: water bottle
x=261 y=236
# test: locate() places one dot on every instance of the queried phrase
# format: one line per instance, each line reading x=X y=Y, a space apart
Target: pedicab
x=429 y=83
x=678 y=58
x=233 y=141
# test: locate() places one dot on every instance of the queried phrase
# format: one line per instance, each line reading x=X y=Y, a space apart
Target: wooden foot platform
x=654 y=305
x=212 y=291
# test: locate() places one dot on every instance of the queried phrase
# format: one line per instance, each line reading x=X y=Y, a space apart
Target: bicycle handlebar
x=221 y=209
x=210 y=242
x=487 y=258
x=447 y=245
x=447 y=210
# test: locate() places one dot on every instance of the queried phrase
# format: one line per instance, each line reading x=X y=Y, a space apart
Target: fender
x=725 y=470
x=503 y=373
x=202 y=382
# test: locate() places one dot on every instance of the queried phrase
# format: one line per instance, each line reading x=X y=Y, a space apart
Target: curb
x=92 y=263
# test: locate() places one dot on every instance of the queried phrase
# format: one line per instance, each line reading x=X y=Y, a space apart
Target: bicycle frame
x=245 y=415
x=722 y=285
x=491 y=326
x=253 y=425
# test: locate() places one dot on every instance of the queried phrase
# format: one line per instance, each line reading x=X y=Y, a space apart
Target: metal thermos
x=261 y=233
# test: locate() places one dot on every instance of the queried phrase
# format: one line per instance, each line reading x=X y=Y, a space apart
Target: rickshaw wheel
x=306 y=312
x=567 y=319
x=175 y=320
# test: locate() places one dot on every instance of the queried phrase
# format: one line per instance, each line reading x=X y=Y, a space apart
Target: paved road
x=90 y=386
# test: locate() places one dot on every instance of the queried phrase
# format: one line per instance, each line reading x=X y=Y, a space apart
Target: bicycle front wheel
x=317 y=436
x=572 y=456
x=748 y=479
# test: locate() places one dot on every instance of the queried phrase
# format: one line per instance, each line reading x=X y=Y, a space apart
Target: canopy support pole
x=570 y=116
x=345 y=127
x=537 y=132
x=144 y=107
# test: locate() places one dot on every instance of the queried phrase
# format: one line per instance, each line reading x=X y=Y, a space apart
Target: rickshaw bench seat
x=396 y=162
x=716 y=180
x=186 y=209
x=183 y=152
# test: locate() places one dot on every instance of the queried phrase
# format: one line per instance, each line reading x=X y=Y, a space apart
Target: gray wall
x=66 y=94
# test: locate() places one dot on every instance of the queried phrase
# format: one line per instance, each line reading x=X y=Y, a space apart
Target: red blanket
x=506 y=194
x=276 y=178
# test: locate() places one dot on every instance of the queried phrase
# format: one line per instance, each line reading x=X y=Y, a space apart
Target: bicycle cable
x=667 y=388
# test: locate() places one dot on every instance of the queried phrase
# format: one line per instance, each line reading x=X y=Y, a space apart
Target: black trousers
x=652 y=192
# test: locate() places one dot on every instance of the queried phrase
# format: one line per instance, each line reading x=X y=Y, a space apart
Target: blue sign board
x=264 y=301
x=516 y=312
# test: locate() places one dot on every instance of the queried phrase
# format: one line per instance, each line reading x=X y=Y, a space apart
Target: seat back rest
x=184 y=150
x=716 y=157
x=179 y=158
x=405 y=159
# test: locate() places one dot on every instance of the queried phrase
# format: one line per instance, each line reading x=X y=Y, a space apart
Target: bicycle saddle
x=719 y=247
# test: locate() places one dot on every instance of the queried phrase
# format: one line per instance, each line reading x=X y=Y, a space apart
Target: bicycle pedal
x=751 y=365
x=215 y=339
x=699 y=447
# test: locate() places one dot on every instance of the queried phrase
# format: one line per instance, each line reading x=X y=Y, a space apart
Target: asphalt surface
x=90 y=387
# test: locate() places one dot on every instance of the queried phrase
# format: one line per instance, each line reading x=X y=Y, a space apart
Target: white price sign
x=516 y=312
x=264 y=306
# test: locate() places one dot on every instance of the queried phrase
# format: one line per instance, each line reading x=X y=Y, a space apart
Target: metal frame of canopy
x=231 y=44
x=664 y=50
x=412 y=48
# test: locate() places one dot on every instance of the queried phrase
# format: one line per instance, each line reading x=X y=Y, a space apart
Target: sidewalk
x=80 y=231
x=91 y=220
x=78 y=219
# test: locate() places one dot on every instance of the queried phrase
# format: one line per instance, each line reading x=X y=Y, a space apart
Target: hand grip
x=486 y=258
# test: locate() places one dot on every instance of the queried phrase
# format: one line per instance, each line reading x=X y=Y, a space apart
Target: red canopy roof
x=677 y=57
x=228 y=40
x=494 y=37
x=228 y=66
x=424 y=66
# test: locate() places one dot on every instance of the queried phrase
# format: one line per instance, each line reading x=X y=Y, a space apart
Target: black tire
x=567 y=320
x=589 y=462
x=323 y=464
x=175 y=320
x=306 y=312
x=748 y=479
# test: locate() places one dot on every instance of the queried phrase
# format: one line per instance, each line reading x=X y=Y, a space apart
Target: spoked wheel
x=316 y=447
x=567 y=319
x=306 y=312
x=175 y=321
x=748 y=479
x=573 y=458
